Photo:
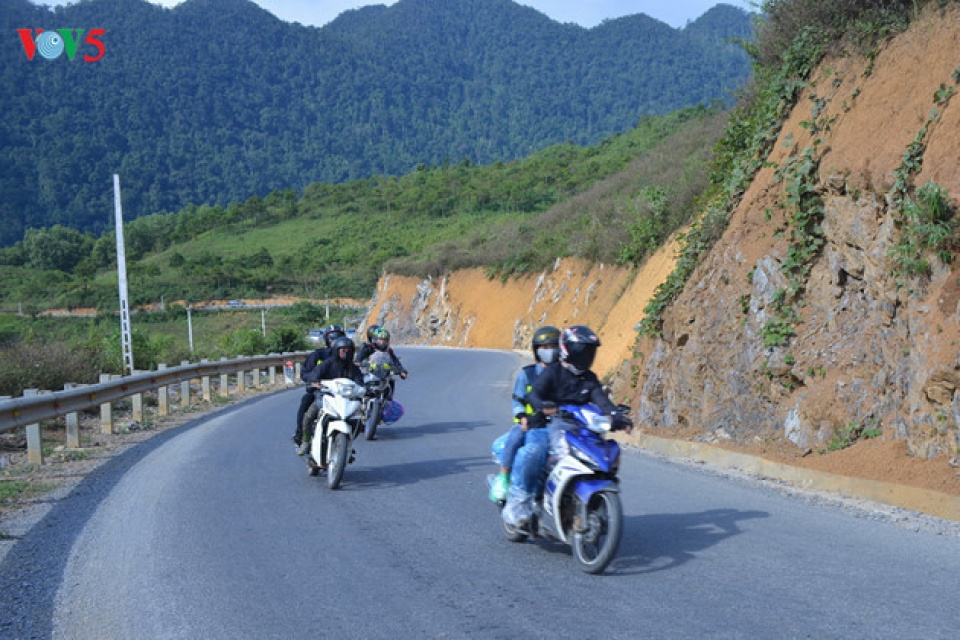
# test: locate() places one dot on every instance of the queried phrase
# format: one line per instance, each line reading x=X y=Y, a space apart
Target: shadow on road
x=659 y=542
x=393 y=475
x=406 y=432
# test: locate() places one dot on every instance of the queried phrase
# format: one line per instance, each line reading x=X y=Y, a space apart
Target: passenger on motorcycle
x=379 y=340
x=569 y=381
x=545 y=346
x=338 y=364
x=316 y=357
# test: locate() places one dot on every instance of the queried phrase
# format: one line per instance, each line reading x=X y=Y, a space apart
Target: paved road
x=217 y=531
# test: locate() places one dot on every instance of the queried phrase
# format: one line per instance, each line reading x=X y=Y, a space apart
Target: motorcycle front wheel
x=596 y=542
x=339 y=451
x=373 y=419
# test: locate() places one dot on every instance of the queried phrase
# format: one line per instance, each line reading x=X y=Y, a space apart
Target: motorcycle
x=336 y=420
x=378 y=379
x=579 y=503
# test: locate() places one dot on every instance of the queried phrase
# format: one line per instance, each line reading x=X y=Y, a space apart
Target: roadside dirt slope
x=873 y=354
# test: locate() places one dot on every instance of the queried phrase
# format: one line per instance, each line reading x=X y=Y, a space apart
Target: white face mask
x=547 y=355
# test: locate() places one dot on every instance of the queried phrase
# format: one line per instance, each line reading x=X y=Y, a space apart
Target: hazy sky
x=586 y=13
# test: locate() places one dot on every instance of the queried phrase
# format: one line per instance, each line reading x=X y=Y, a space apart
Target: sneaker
x=303 y=449
x=498 y=491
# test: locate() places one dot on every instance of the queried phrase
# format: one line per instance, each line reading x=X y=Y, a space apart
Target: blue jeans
x=530 y=459
x=515 y=439
x=525 y=476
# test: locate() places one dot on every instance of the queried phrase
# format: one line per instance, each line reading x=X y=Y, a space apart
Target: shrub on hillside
x=46 y=365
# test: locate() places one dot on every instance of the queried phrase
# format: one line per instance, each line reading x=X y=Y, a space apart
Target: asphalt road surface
x=215 y=530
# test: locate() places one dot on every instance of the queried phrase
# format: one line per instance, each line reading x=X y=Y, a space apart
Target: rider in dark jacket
x=309 y=365
x=338 y=364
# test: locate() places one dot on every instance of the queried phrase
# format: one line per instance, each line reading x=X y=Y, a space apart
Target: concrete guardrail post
x=136 y=401
x=73 y=422
x=224 y=383
x=106 y=409
x=241 y=380
x=205 y=384
x=34 y=444
x=185 y=388
x=163 y=395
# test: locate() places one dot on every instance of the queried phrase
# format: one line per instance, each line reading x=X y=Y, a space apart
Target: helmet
x=334 y=332
x=370 y=331
x=343 y=342
x=542 y=337
x=381 y=339
x=578 y=347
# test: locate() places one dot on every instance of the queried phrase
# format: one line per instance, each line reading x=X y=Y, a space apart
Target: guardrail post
x=205 y=384
x=224 y=383
x=256 y=377
x=296 y=368
x=73 y=423
x=136 y=401
x=106 y=409
x=34 y=445
x=241 y=380
x=185 y=388
x=163 y=395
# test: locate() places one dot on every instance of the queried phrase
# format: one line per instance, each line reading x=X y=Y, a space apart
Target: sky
x=586 y=13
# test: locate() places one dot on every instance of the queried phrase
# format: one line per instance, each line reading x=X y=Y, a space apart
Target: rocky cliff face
x=873 y=351
x=863 y=350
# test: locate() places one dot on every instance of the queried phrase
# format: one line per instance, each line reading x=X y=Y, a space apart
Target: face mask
x=547 y=355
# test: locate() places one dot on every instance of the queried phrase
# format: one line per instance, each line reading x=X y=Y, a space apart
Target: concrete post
x=163 y=395
x=34 y=444
x=106 y=410
x=224 y=383
x=205 y=384
x=73 y=423
x=185 y=389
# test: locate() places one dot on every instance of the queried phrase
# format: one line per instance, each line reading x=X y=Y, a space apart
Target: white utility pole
x=125 y=339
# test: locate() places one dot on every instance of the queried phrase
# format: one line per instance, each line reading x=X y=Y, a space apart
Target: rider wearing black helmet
x=571 y=381
x=568 y=381
x=338 y=364
x=317 y=356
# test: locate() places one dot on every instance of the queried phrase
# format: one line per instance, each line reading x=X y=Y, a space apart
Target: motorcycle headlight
x=599 y=423
x=583 y=457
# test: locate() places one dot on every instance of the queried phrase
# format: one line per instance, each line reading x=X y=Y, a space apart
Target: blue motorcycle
x=579 y=504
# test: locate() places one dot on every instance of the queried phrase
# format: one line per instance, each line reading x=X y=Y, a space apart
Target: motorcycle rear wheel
x=373 y=419
x=595 y=547
x=339 y=451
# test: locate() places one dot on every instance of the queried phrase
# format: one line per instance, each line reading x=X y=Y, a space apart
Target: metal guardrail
x=29 y=410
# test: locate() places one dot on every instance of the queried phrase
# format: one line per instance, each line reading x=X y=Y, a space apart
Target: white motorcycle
x=335 y=420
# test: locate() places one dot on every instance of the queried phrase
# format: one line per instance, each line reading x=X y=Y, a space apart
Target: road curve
x=217 y=531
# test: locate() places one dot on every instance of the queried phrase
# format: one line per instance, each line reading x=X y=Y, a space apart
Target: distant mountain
x=217 y=100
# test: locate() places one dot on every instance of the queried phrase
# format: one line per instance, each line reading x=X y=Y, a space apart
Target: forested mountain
x=214 y=101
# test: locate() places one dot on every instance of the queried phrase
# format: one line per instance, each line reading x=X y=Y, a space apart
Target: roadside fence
x=34 y=406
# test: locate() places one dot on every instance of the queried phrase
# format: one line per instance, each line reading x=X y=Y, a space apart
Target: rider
x=545 y=346
x=379 y=340
x=569 y=381
x=317 y=356
x=338 y=364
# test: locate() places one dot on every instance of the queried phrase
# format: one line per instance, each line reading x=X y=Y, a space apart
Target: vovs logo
x=52 y=44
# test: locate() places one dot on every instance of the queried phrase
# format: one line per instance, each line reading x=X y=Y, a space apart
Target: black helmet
x=545 y=335
x=370 y=331
x=578 y=347
x=343 y=342
x=334 y=332
x=381 y=339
